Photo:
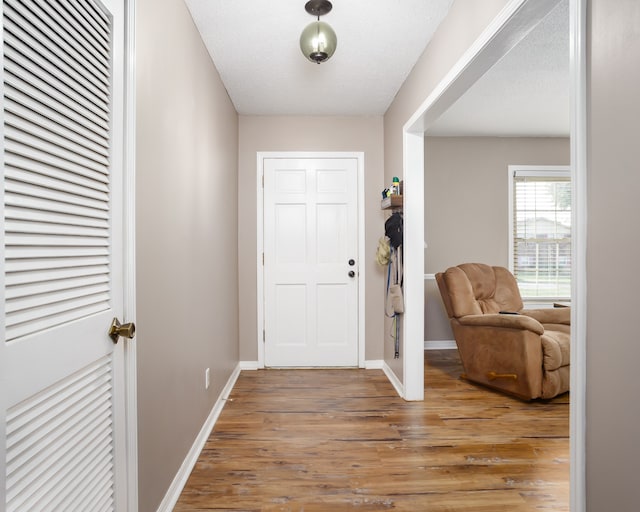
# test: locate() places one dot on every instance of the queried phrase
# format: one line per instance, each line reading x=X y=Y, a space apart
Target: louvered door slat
x=51 y=135
x=86 y=495
x=56 y=25
x=68 y=174
x=89 y=27
x=47 y=103
x=53 y=218
x=100 y=498
x=76 y=465
x=68 y=426
x=52 y=65
x=23 y=323
x=89 y=66
x=45 y=276
x=60 y=316
x=26 y=290
x=49 y=456
x=21 y=149
x=92 y=14
x=49 y=148
x=79 y=482
x=51 y=144
x=54 y=183
x=69 y=436
x=16 y=253
x=91 y=74
x=40 y=77
x=30 y=267
x=29 y=171
x=22 y=12
x=27 y=308
x=52 y=206
x=20 y=73
x=26 y=120
x=27 y=239
x=25 y=416
x=62 y=117
x=27 y=191
x=39 y=228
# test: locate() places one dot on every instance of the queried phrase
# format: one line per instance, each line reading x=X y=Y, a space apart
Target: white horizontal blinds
x=59 y=445
x=56 y=152
x=542 y=234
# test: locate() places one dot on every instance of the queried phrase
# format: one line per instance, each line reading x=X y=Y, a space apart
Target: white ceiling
x=525 y=94
x=254 y=45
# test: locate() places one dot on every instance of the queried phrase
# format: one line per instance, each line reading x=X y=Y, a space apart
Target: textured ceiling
x=525 y=94
x=254 y=45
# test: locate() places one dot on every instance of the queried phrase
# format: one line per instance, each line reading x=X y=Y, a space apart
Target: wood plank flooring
x=331 y=440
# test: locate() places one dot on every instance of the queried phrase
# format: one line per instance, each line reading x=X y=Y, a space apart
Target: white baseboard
x=179 y=481
x=395 y=381
x=371 y=364
x=440 y=344
x=249 y=365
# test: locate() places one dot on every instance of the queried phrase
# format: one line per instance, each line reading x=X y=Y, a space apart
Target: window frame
x=534 y=171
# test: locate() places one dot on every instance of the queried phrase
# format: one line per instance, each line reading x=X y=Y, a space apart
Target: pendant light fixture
x=318 y=41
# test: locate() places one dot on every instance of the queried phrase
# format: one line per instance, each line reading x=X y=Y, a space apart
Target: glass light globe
x=318 y=41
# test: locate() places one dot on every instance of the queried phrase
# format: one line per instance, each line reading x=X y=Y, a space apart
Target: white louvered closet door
x=62 y=401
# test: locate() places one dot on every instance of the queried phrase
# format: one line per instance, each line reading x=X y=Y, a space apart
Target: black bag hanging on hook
x=393 y=229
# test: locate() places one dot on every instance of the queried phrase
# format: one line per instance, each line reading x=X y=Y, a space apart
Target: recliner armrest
x=505 y=321
x=549 y=316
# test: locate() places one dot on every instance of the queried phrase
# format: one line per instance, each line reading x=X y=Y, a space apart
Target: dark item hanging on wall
x=393 y=229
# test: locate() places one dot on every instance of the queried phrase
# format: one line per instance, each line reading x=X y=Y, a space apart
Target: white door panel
x=310 y=234
x=62 y=394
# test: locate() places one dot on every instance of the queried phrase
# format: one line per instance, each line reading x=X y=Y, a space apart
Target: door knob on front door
x=117 y=329
x=352 y=262
x=352 y=273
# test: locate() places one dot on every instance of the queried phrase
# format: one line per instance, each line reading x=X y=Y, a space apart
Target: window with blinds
x=540 y=253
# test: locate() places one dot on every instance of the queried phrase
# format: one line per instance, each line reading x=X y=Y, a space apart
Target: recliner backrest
x=476 y=288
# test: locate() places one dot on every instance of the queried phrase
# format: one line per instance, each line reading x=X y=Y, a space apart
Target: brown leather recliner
x=525 y=353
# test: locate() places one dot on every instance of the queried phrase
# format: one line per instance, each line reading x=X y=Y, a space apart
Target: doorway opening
x=512 y=25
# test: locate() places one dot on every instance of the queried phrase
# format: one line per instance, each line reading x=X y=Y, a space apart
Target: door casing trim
x=261 y=156
x=129 y=257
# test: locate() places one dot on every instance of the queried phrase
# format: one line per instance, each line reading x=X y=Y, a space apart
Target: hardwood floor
x=327 y=440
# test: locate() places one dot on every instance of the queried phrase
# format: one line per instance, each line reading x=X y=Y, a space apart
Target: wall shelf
x=394 y=201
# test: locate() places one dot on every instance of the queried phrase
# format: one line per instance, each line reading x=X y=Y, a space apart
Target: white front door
x=310 y=261
x=61 y=402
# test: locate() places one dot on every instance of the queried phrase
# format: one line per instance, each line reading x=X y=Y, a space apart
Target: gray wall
x=308 y=133
x=467 y=204
x=186 y=194
x=463 y=24
x=613 y=253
